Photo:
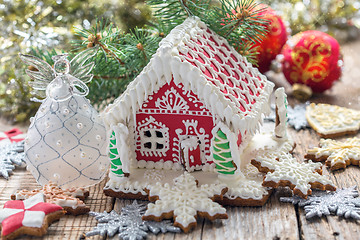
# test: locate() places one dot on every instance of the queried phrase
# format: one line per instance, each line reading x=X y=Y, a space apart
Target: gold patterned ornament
x=316 y=68
x=337 y=154
x=331 y=120
x=312 y=59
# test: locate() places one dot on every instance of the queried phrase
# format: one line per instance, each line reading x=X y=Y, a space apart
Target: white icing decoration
x=244 y=187
x=125 y=185
x=172 y=101
x=185 y=199
x=187 y=145
x=331 y=119
x=33 y=219
x=338 y=152
x=152 y=134
x=197 y=134
x=281 y=104
x=286 y=167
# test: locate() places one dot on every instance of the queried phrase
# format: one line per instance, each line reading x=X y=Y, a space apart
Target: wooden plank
x=271 y=221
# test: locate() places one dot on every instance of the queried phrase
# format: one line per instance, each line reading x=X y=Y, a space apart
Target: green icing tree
x=222 y=154
x=116 y=165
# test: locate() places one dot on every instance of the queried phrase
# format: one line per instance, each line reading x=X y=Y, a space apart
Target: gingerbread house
x=196 y=90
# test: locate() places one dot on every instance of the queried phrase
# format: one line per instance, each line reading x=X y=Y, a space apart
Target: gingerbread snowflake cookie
x=184 y=201
x=31 y=216
x=336 y=154
x=70 y=199
x=284 y=170
x=332 y=121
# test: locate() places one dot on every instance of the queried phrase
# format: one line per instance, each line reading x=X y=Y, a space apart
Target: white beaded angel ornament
x=66 y=140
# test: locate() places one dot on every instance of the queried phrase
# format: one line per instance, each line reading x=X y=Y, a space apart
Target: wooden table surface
x=274 y=220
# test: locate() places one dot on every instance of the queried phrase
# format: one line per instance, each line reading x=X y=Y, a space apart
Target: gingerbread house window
x=153 y=138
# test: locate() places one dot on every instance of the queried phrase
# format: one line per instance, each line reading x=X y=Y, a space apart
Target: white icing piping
x=121 y=136
x=126 y=186
x=281 y=111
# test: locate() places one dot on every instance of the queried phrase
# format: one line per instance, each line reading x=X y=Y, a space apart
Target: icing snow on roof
x=204 y=63
x=229 y=72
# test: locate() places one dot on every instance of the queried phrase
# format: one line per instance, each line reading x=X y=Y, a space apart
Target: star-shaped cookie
x=284 y=170
x=336 y=154
x=31 y=216
x=184 y=201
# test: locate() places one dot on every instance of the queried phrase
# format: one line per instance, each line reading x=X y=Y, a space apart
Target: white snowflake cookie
x=184 y=201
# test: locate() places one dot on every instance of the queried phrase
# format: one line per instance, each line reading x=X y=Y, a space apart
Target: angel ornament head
x=66 y=140
x=64 y=85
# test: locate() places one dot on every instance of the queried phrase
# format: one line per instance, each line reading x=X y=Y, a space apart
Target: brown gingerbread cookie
x=284 y=170
x=184 y=201
x=336 y=154
x=331 y=121
x=70 y=199
x=31 y=217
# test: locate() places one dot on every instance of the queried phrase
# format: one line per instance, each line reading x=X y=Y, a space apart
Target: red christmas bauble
x=273 y=41
x=312 y=58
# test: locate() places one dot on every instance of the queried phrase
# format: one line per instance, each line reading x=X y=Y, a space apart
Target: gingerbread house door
x=192 y=142
x=190 y=153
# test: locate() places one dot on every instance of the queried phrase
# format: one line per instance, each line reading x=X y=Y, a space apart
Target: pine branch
x=124 y=55
x=239 y=22
x=168 y=14
x=139 y=45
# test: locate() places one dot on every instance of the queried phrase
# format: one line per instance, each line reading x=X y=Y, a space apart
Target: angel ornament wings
x=66 y=140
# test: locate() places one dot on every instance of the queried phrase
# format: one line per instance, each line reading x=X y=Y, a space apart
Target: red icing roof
x=224 y=68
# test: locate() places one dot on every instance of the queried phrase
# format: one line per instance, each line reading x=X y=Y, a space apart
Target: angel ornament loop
x=66 y=140
x=64 y=85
